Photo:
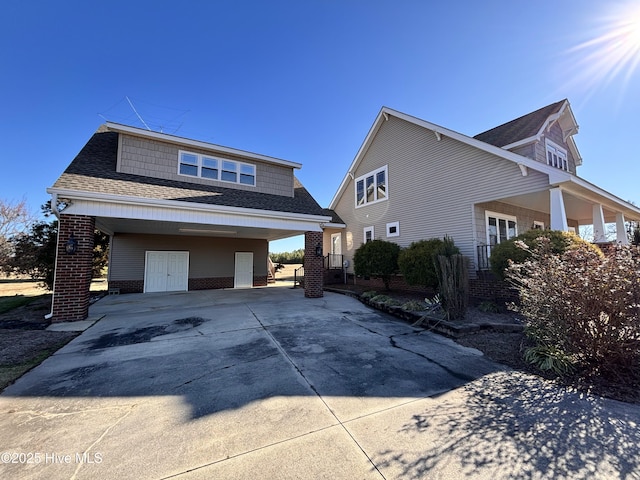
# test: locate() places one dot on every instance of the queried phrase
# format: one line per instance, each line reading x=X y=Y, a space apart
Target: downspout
x=56 y=212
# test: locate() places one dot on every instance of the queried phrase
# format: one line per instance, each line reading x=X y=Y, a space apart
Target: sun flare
x=612 y=50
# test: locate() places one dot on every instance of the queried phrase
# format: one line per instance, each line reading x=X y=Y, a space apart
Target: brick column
x=73 y=271
x=313 y=266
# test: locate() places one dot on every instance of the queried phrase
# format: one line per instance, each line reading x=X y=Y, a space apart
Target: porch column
x=313 y=265
x=599 y=235
x=73 y=270
x=621 y=234
x=558 y=215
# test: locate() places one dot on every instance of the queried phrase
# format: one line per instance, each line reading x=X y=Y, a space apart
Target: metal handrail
x=297 y=276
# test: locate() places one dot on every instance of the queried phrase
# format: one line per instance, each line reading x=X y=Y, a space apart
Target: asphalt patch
x=145 y=334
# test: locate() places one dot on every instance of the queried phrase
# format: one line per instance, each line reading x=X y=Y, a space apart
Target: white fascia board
x=334 y=225
x=596 y=190
x=116 y=127
x=500 y=152
x=522 y=142
x=190 y=206
x=357 y=159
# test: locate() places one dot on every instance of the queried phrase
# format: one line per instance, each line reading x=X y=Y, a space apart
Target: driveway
x=263 y=383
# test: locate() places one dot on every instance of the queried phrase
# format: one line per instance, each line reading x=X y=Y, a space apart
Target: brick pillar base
x=313 y=266
x=73 y=271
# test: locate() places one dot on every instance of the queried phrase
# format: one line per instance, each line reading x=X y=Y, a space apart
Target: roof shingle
x=523 y=127
x=94 y=170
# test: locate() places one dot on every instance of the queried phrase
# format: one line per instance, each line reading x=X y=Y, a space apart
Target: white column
x=558 y=215
x=599 y=234
x=621 y=234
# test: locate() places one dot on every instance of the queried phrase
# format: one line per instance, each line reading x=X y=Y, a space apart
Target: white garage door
x=166 y=272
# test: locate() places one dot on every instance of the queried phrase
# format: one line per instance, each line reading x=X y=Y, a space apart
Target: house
x=181 y=214
x=413 y=180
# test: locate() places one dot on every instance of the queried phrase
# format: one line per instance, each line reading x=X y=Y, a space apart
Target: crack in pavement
x=394 y=344
x=99 y=439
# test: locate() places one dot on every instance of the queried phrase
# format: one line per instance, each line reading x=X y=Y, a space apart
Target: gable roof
x=94 y=171
x=521 y=128
x=385 y=113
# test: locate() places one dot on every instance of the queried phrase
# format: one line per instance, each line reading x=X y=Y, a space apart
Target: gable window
x=500 y=228
x=368 y=234
x=556 y=156
x=205 y=166
x=371 y=187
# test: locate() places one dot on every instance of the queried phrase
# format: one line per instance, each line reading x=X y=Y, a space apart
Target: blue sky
x=304 y=80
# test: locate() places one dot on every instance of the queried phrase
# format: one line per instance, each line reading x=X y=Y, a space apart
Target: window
x=393 y=229
x=500 y=228
x=537 y=225
x=556 y=156
x=372 y=187
x=368 y=234
x=205 y=166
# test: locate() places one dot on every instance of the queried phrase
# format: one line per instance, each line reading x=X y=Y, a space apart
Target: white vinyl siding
x=436 y=184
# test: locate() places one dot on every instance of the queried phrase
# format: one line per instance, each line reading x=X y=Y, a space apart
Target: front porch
x=576 y=207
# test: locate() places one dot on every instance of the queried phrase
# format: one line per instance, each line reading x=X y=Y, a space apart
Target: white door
x=244 y=270
x=166 y=271
x=335 y=260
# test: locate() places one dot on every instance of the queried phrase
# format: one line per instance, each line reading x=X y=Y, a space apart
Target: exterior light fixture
x=71 y=246
x=319 y=250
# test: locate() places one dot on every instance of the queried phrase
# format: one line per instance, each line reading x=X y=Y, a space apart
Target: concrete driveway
x=264 y=383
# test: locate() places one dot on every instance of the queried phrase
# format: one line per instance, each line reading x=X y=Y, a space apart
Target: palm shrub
x=559 y=242
x=417 y=262
x=378 y=259
x=582 y=310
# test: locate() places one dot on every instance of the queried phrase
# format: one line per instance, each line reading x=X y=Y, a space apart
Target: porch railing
x=484 y=252
x=298 y=277
x=333 y=261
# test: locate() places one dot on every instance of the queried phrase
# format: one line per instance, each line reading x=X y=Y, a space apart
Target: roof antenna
x=136 y=112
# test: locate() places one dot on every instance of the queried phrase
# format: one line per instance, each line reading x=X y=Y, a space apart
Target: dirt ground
x=24 y=342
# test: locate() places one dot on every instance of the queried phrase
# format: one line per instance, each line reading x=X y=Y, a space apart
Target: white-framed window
x=500 y=227
x=538 y=225
x=213 y=168
x=556 y=156
x=372 y=187
x=368 y=234
x=393 y=229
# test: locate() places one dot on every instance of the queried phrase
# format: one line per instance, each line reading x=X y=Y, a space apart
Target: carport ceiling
x=124 y=225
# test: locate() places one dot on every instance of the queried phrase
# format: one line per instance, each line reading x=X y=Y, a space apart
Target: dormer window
x=205 y=166
x=556 y=156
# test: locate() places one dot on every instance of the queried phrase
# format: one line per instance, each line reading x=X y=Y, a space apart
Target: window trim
x=220 y=163
x=390 y=226
x=537 y=225
x=499 y=216
x=364 y=231
x=560 y=152
x=374 y=175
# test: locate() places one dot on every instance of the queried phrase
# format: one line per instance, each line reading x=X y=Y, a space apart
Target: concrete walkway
x=264 y=383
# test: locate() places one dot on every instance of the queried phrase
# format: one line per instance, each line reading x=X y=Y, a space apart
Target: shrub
x=582 y=310
x=369 y=294
x=385 y=300
x=414 y=306
x=560 y=242
x=378 y=259
x=454 y=284
x=416 y=262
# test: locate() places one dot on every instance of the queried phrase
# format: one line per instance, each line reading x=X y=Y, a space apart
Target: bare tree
x=15 y=218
